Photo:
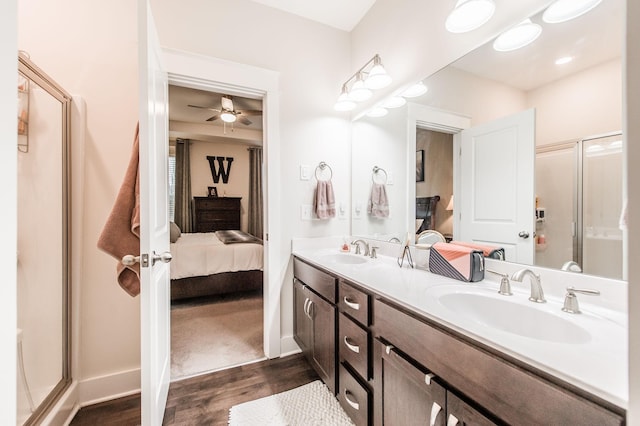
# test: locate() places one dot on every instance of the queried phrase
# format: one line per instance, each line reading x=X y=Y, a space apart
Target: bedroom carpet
x=215 y=333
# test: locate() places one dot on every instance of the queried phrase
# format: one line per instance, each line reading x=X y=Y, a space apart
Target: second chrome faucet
x=537 y=295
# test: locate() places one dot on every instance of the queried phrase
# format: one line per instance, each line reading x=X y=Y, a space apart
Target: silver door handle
x=306 y=312
x=351 y=304
x=523 y=234
x=130 y=260
x=164 y=257
x=309 y=314
x=435 y=410
x=352 y=403
x=352 y=348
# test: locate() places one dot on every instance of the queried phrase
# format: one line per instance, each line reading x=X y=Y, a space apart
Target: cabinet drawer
x=321 y=282
x=354 y=303
x=353 y=342
x=218 y=203
x=353 y=397
x=218 y=215
x=504 y=388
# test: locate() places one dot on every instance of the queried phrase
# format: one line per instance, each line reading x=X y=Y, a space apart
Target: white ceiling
x=341 y=14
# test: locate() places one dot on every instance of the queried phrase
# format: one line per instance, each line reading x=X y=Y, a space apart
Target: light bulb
x=517 y=37
x=469 y=15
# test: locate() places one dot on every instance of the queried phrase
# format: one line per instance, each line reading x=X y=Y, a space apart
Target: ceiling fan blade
x=249 y=112
x=227 y=103
x=201 y=107
x=214 y=118
x=244 y=120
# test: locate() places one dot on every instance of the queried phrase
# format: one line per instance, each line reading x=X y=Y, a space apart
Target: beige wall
x=238 y=184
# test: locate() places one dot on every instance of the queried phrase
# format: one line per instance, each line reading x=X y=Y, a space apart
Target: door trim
x=214 y=74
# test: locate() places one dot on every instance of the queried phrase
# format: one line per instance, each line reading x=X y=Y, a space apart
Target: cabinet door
x=302 y=318
x=323 y=339
x=404 y=392
x=460 y=413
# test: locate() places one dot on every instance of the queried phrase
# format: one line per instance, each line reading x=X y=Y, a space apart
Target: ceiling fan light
x=377 y=112
x=228 y=117
x=416 y=90
x=565 y=10
x=469 y=15
x=394 y=102
x=517 y=37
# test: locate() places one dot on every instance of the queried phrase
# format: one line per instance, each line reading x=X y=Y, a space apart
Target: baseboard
x=288 y=346
x=108 y=387
x=64 y=409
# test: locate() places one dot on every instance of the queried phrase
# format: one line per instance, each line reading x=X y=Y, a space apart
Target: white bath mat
x=309 y=405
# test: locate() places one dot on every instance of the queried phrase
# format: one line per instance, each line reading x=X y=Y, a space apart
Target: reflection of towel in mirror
x=324 y=202
x=378 y=202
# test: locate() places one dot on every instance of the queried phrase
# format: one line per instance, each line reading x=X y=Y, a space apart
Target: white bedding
x=202 y=254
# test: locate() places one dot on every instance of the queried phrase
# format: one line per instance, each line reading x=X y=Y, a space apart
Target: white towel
x=324 y=202
x=378 y=202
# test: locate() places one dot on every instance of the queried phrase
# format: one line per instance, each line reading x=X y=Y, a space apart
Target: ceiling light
x=565 y=10
x=517 y=37
x=228 y=116
x=615 y=145
x=394 y=102
x=378 y=77
x=377 y=112
x=359 y=91
x=469 y=15
x=416 y=90
x=344 y=103
x=564 y=60
x=594 y=148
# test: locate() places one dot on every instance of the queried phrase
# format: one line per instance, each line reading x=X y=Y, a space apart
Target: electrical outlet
x=305 y=211
x=342 y=211
x=357 y=210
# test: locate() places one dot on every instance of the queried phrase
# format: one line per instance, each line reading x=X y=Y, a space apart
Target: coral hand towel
x=324 y=202
x=378 y=205
x=121 y=234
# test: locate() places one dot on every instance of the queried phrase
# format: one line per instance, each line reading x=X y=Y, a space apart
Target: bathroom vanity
x=369 y=330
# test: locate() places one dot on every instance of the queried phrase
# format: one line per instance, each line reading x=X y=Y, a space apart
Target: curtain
x=183 y=216
x=255 y=216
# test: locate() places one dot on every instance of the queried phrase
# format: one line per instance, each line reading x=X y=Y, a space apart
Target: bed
x=213 y=263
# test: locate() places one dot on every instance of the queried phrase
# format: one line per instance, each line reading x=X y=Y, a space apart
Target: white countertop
x=598 y=364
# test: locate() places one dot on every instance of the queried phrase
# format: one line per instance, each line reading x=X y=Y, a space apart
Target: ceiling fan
x=228 y=113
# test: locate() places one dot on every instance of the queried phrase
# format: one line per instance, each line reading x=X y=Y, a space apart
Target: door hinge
x=266 y=236
x=144 y=260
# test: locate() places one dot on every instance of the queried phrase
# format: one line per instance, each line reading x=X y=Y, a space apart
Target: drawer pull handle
x=452 y=420
x=428 y=377
x=306 y=307
x=353 y=348
x=388 y=349
x=435 y=410
x=309 y=313
x=352 y=305
x=353 y=404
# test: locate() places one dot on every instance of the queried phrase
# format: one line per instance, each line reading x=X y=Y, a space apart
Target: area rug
x=214 y=334
x=309 y=405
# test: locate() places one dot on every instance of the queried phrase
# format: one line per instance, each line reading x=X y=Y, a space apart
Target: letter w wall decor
x=220 y=170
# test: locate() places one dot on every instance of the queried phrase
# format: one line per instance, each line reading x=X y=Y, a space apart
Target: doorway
x=215 y=189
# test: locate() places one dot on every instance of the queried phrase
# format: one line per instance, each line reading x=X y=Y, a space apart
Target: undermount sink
x=345 y=258
x=509 y=315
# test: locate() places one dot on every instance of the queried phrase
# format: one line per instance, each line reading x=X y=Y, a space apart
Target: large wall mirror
x=575 y=105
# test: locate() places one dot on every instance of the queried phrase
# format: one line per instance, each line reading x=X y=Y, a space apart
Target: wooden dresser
x=214 y=214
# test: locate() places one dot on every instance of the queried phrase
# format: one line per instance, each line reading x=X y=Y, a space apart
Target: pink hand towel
x=378 y=205
x=324 y=202
x=121 y=234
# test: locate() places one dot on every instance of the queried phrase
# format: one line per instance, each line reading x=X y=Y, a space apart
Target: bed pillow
x=174 y=232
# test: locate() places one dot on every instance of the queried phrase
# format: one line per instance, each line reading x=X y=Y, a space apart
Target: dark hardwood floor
x=206 y=399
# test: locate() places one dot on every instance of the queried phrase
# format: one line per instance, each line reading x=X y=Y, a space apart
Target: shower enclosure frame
x=33 y=73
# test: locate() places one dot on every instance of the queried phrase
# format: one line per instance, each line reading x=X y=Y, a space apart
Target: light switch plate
x=305 y=172
x=305 y=211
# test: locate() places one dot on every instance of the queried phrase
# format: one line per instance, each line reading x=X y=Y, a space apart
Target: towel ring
x=323 y=166
x=377 y=169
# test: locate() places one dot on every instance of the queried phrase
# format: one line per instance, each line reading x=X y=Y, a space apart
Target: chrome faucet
x=571 y=266
x=364 y=244
x=537 y=295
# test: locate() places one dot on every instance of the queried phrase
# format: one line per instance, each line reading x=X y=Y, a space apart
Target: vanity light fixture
x=469 y=15
x=358 y=87
x=564 y=60
x=415 y=90
x=517 y=37
x=565 y=10
x=394 y=102
x=377 y=111
x=228 y=117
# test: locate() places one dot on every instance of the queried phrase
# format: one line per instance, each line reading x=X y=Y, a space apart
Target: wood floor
x=206 y=399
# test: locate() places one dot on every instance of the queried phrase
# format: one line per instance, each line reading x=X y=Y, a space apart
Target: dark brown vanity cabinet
x=315 y=319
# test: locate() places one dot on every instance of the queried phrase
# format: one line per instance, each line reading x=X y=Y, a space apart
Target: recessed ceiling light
x=469 y=15
x=394 y=102
x=594 y=148
x=377 y=112
x=517 y=37
x=564 y=10
x=564 y=60
x=416 y=90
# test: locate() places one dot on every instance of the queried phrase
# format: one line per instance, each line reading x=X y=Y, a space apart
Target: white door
x=497 y=185
x=154 y=222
